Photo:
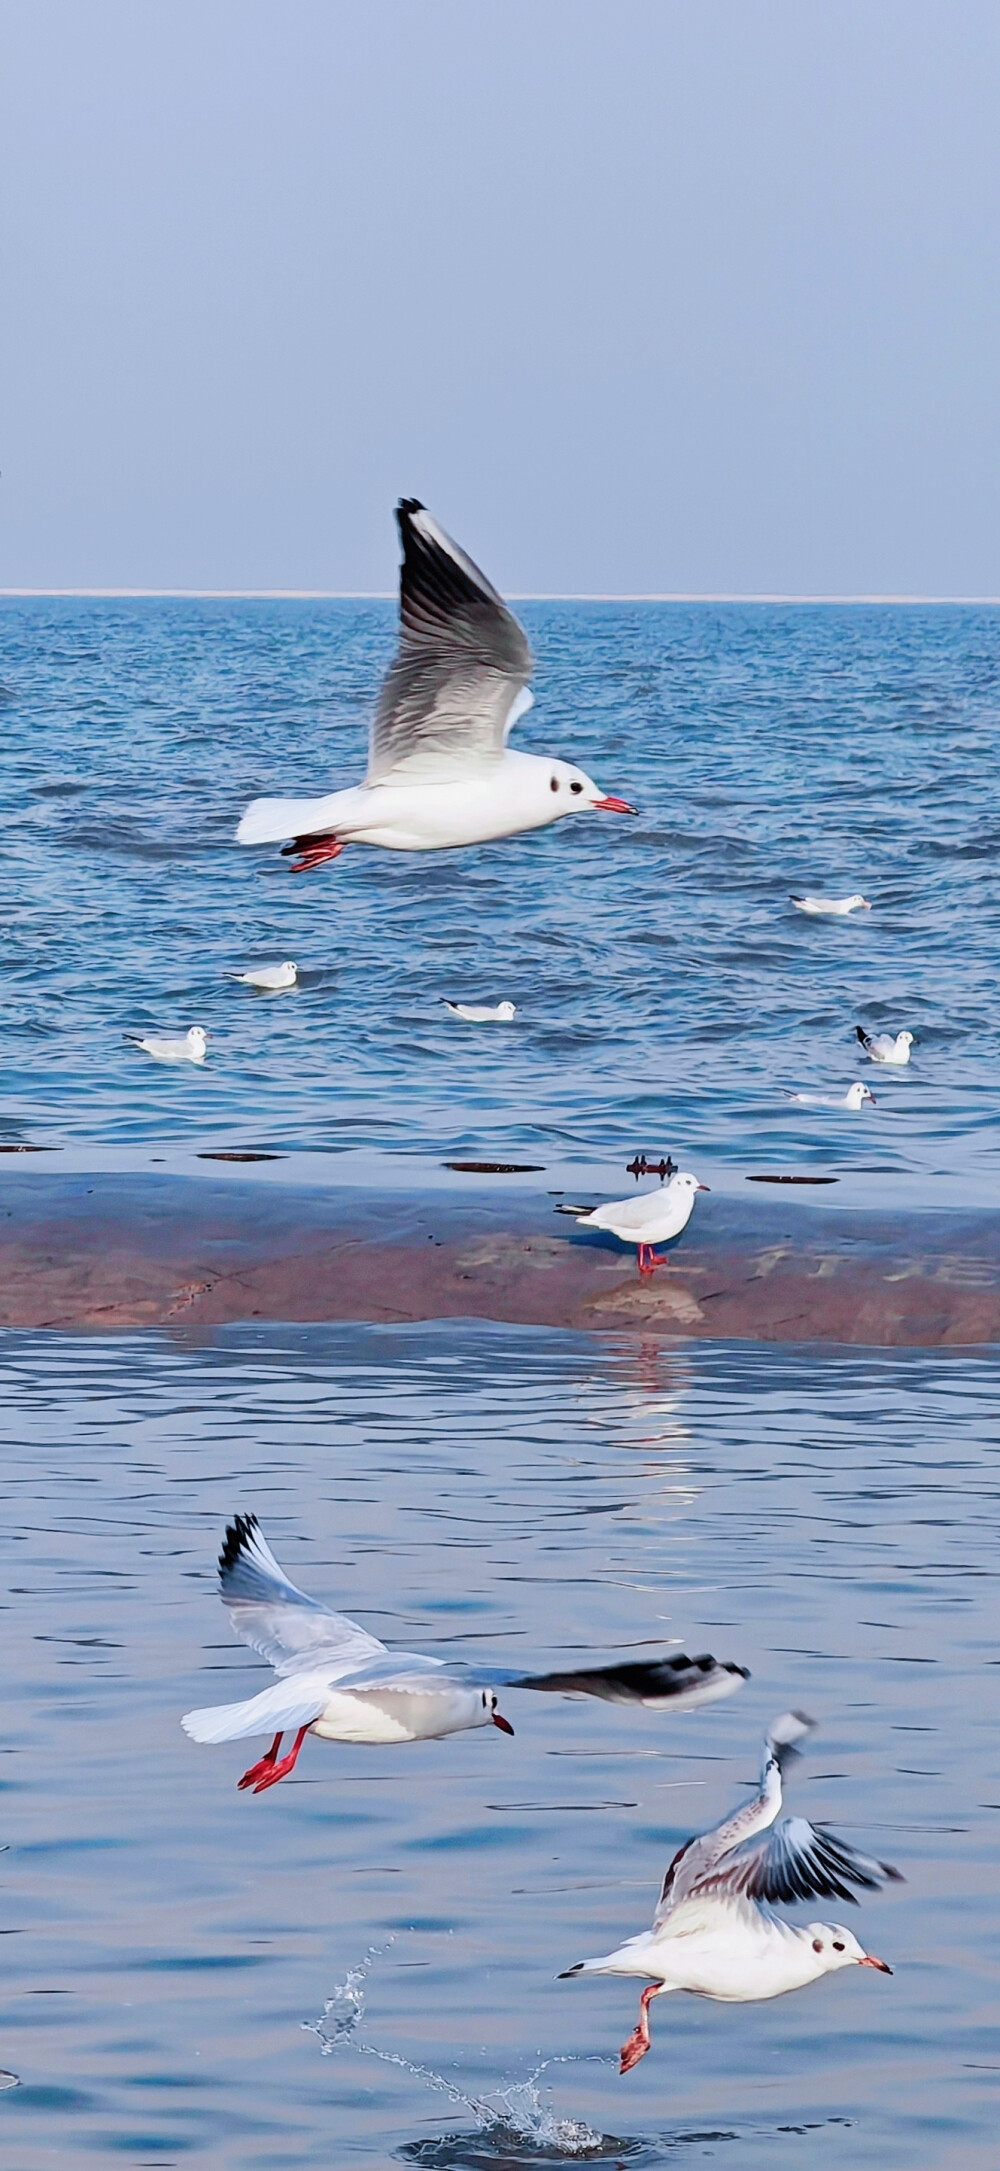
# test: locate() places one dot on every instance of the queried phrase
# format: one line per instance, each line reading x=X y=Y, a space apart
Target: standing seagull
x=651 y=1218
x=714 y=1932
x=336 y=1681
x=440 y=772
x=886 y=1047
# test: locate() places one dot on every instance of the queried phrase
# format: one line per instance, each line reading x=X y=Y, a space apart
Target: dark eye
x=836 y=1947
x=817 y=1944
x=576 y=787
x=553 y=783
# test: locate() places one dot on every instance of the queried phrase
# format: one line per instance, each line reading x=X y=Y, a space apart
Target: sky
x=640 y=296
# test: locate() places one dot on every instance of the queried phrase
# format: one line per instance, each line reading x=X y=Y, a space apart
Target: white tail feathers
x=288 y=1703
x=277 y=821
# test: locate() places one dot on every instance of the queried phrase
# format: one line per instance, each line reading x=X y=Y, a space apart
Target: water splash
x=513 y=2115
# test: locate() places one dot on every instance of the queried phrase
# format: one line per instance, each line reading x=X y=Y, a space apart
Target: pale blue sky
x=638 y=295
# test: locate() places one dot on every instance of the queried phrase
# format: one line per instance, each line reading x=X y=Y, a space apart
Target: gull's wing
x=635 y=1212
x=695 y=1862
x=676 y=1683
x=293 y=1632
x=795 y=1861
x=457 y=683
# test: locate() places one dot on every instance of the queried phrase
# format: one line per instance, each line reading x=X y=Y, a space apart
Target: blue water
x=667 y=992
x=169 y=1946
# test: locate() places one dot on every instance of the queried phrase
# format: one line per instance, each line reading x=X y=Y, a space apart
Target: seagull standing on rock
x=337 y=1681
x=440 y=772
x=714 y=1932
x=651 y=1218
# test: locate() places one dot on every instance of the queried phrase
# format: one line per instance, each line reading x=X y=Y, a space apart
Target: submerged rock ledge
x=108 y=1253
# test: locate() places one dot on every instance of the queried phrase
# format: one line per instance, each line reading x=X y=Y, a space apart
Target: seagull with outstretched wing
x=714 y=1932
x=337 y=1681
x=440 y=771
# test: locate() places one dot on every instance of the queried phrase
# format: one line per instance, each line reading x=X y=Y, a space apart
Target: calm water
x=830 y=1520
x=667 y=991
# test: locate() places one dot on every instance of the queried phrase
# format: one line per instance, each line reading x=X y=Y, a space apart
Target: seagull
x=440 y=772
x=652 y=1217
x=837 y=907
x=482 y=1013
x=272 y=978
x=886 y=1047
x=714 y=1932
x=854 y=1098
x=337 y=1681
x=189 y=1050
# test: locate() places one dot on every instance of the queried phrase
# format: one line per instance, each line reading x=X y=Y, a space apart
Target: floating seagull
x=854 y=1098
x=482 y=1013
x=652 y=1217
x=189 y=1050
x=272 y=978
x=440 y=772
x=336 y=1681
x=713 y=1931
x=886 y=1047
x=839 y=907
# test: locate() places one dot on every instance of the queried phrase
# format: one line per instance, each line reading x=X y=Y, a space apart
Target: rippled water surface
x=177 y=1957
x=667 y=991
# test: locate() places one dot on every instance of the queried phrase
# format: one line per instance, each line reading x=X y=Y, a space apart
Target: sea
x=360 y=1966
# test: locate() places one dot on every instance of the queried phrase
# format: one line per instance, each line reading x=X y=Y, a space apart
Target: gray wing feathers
x=796 y=1861
x=463 y=659
x=277 y=1619
x=659 y=1684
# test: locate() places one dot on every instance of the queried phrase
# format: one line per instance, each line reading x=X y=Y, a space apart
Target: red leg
x=275 y=1772
x=646 y=1259
x=312 y=851
x=638 y=2042
x=257 y=1771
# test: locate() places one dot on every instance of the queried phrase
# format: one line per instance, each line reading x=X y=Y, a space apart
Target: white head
x=684 y=1181
x=835 y=1947
x=857 y=903
x=486 y=1713
x=904 y=1040
x=572 y=791
x=858 y=1094
x=506 y=1011
x=197 y=1040
x=289 y=968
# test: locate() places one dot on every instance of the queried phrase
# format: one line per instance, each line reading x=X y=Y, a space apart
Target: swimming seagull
x=886 y=1047
x=337 y=1681
x=482 y=1013
x=440 y=772
x=189 y=1050
x=271 y=978
x=652 y=1217
x=837 y=907
x=854 y=1098
x=714 y=1932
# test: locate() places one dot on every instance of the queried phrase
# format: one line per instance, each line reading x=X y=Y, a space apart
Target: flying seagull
x=440 y=772
x=714 y=1932
x=337 y=1681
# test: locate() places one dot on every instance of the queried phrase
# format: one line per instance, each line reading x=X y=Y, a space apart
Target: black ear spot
x=553 y=783
x=818 y=1944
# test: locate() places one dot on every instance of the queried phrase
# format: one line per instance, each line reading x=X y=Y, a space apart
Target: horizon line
x=388 y=595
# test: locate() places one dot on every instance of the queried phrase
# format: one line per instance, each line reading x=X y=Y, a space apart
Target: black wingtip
x=568 y=1971
x=862 y=1035
x=239 y=1533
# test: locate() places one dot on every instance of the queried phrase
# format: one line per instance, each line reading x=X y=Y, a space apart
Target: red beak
x=704 y=1187
x=506 y=1728
x=610 y=805
x=870 y=1961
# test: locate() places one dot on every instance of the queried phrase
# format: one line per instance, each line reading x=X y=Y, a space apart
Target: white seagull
x=271 y=978
x=854 y=1098
x=652 y=1217
x=714 y=1932
x=440 y=772
x=337 y=1681
x=191 y=1049
x=886 y=1047
x=482 y=1013
x=835 y=907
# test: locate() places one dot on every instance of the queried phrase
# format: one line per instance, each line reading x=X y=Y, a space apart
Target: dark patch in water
x=793 y=1179
x=497 y=1168
x=242 y=1157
